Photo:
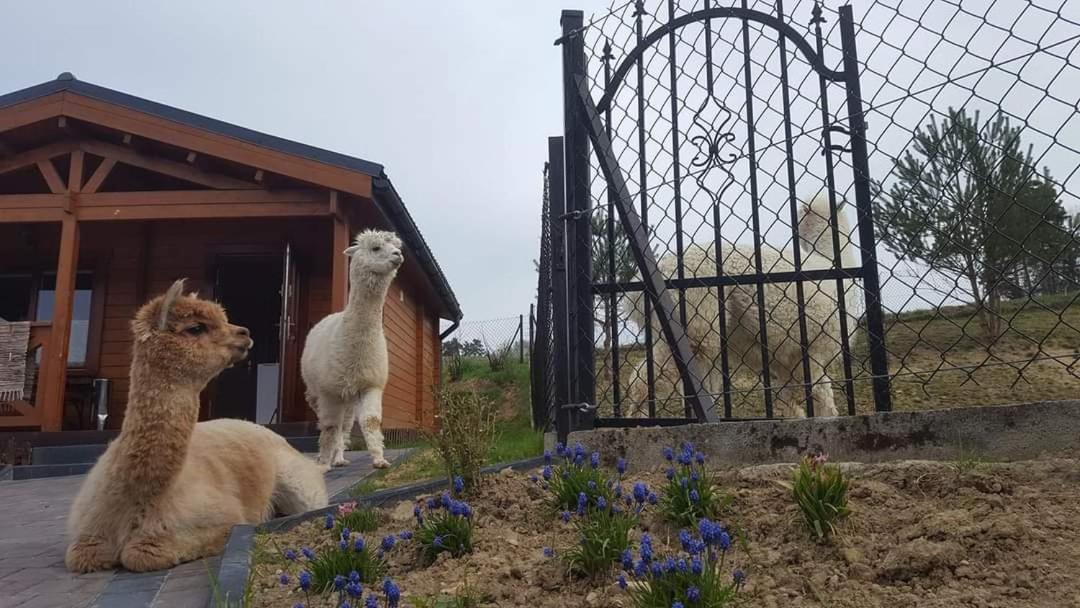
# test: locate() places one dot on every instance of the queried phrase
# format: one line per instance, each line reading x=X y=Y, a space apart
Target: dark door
x=249 y=287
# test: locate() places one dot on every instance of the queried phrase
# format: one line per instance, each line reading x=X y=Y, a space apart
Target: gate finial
x=817 y=14
x=607 y=56
x=639 y=8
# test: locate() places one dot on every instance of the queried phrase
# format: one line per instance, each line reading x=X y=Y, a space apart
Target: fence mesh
x=725 y=135
x=495 y=342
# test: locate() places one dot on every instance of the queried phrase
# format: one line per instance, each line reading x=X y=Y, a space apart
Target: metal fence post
x=521 y=335
x=577 y=221
x=875 y=318
x=560 y=322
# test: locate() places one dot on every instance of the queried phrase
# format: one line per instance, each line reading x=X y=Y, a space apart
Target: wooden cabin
x=106 y=199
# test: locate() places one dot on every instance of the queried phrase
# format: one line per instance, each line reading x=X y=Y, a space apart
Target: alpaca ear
x=351 y=250
x=167 y=302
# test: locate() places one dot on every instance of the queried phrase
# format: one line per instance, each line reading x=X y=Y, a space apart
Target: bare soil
x=922 y=534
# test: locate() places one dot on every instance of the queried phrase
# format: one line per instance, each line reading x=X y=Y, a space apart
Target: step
x=66 y=454
x=40 y=471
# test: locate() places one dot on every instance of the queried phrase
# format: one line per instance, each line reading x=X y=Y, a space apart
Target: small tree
x=969 y=203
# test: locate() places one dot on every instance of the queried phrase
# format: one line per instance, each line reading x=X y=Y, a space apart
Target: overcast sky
x=456 y=99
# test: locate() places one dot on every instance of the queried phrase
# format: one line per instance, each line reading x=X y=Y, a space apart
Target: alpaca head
x=189 y=337
x=374 y=252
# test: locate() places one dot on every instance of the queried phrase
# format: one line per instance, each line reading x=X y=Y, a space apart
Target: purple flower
x=694 y=476
x=646 y=548
x=358 y=544
x=739 y=576
x=298 y=605
x=670 y=474
x=684 y=540
x=547 y=456
x=354 y=590
x=618 y=491
x=694 y=496
x=416 y=513
x=594 y=460
x=677 y=604
x=393 y=594
x=354 y=577
x=700 y=458
x=591 y=485
x=601 y=503
x=653 y=498
x=308 y=553
x=620 y=465
x=546 y=473
x=329 y=521
x=640 y=569
x=582 y=500
x=343 y=545
x=445 y=500
x=696 y=566
x=668 y=454
x=656 y=570
x=579 y=450
x=641 y=492
x=560 y=449
x=371 y=602
x=339 y=582
x=345 y=604
x=437 y=542
x=346 y=534
x=388 y=542
x=627 y=560
x=684 y=482
x=290 y=555
x=406 y=535
x=459 y=484
x=566 y=516
x=724 y=541
x=305 y=580
x=549 y=552
x=621 y=580
x=284 y=578
x=534 y=479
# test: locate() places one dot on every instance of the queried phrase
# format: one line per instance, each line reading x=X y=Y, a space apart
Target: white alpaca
x=741 y=310
x=345 y=364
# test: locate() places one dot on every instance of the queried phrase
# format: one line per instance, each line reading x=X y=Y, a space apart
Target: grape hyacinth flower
x=668 y=454
x=700 y=458
x=696 y=566
x=547 y=457
x=591 y=485
x=694 y=496
x=549 y=552
x=354 y=590
x=694 y=476
x=566 y=517
x=418 y=515
x=308 y=553
x=393 y=594
x=358 y=544
x=329 y=521
x=354 y=577
x=684 y=540
x=739 y=577
x=620 y=465
x=670 y=474
x=305 y=580
x=339 y=582
x=290 y=555
x=284 y=578
x=371 y=602
x=621 y=580
x=343 y=545
x=546 y=473
x=582 y=500
x=693 y=595
x=646 y=548
x=618 y=491
x=432 y=504
x=406 y=535
x=594 y=460
x=560 y=449
x=601 y=503
x=627 y=560
x=579 y=450
x=652 y=498
x=388 y=542
x=459 y=484
x=437 y=542
x=346 y=534
x=677 y=604
x=641 y=492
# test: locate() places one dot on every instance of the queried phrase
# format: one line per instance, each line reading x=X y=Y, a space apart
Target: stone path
x=32 y=543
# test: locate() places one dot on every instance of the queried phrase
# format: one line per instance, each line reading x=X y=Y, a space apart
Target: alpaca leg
x=299 y=485
x=331 y=413
x=347 y=420
x=146 y=552
x=89 y=554
x=370 y=414
x=824 y=400
x=202 y=542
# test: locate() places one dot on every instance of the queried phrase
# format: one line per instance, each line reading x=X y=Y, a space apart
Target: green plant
x=690 y=493
x=697 y=579
x=573 y=478
x=466 y=432
x=604 y=534
x=356 y=519
x=466 y=598
x=820 y=491
x=351 y=554
x=447 y=527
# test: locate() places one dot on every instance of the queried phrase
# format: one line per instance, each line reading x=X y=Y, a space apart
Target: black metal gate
x=666 y=246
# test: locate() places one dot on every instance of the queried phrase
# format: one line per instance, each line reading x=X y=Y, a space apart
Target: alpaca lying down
x=743 y=329
x=345 y=364
x=168 y=489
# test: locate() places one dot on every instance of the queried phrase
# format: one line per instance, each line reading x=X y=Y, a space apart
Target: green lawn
x=516 y=440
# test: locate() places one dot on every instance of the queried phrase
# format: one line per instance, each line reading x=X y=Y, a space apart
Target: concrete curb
x=235 y=569
x=996 y=433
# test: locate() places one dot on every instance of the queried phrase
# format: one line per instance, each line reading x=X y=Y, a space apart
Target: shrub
x=356 y=519
x=697 y=578
x=446 y=527
x=466 y=432
x=579 y=473
x=690 y=493
x=820 y=491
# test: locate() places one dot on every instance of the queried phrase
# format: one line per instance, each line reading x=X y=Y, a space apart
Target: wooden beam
x=31 y=201
x=339 y=276
x=164 y=198
x=27 y=215
x=163 y=166
x=29 y=112
x=52 y=178
x=163 y=212
x=335 y=206
x=53 y=373
x=36 y=155
x=100 y=175
x=75 y=171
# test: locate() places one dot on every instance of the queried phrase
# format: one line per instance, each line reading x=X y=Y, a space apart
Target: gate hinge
x=577 y=214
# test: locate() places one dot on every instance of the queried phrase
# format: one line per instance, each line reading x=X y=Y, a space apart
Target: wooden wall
x=142 y=259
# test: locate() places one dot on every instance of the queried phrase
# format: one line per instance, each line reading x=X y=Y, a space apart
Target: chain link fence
x=742 y=165
x=492 y=343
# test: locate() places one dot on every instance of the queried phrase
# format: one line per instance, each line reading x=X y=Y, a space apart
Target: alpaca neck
x=162 y=411
x=366 y=299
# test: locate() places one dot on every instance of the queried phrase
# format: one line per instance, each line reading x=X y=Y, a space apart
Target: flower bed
x=919 y=534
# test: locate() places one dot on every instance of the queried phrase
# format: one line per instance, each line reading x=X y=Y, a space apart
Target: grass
x=939 y=359
x=516 y=440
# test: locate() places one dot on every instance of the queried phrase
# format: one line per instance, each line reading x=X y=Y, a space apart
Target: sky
x=455 y=99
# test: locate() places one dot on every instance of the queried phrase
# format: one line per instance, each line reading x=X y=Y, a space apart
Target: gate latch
x=576 y=214
x=584 y=408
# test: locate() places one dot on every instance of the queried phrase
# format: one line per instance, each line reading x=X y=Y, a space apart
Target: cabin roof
x=383 y=191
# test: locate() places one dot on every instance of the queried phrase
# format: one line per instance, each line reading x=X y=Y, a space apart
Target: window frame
x=97 y=270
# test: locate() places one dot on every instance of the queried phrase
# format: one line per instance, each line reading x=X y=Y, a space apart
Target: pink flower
x=346 y=508
x=819 y=459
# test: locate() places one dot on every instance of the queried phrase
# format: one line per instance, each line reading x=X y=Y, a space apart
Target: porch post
x=55 y=355
x=339 y=276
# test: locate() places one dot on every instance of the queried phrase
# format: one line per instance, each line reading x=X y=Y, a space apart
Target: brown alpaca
x=168 y=490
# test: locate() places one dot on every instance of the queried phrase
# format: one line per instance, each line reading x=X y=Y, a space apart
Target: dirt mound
x=921 y=534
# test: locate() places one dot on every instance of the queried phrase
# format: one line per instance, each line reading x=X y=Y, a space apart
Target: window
x=80 y=313
x=31 y=297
